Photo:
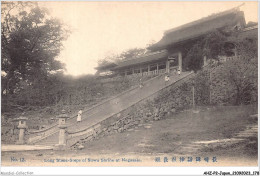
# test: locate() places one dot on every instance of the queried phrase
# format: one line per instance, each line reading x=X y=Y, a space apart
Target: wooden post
x=204 y=60
x=210 y=87
x=193 y=99
x=148 y=69
x=180 y=61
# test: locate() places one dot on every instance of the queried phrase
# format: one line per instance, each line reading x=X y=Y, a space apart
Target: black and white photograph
x=129 y=83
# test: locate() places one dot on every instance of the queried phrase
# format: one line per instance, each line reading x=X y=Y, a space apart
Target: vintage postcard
x=143 y=84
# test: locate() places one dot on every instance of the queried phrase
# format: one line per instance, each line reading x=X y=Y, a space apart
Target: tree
x=193 y=60
x=128 y=54
x=242 y=73
x=108 y=60
x=211 y=46
x=31 y=40
x=134 y=52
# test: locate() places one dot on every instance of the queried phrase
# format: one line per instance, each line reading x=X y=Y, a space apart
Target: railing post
x=62 y=134
x=21 y=126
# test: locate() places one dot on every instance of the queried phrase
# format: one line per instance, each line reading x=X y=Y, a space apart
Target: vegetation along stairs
x=93 y=116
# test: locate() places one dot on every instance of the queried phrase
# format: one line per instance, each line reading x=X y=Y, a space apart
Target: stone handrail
x=42 y=130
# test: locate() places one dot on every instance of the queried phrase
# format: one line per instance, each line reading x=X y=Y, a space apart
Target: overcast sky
x=100 y=29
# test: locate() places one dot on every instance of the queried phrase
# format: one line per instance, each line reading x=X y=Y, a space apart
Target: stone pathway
x=15 y=148
x=191 y=148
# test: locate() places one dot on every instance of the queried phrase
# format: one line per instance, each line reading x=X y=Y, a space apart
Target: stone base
x=60 y=147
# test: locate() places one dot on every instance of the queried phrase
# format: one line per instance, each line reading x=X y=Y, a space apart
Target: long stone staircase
x=93 y=116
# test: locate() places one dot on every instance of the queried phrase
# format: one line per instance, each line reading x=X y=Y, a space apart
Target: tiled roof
x=200 y=27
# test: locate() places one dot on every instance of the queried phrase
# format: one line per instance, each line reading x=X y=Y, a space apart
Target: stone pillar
x=21 y=126
x=180 y=61
x=62 y=134
x=157 y=68
x=148 y=69
x=141 y=71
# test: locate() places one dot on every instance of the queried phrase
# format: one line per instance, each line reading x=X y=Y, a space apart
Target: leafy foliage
x=211 y=46
x=31 y=40
x=193 y=60
x=243 y=72
x=130 y=53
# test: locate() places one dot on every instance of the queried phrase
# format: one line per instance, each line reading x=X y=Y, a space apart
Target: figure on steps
x=166 y=79
x=79 y=116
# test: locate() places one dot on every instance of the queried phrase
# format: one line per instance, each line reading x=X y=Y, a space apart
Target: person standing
x=179 y=72
x=79 y=116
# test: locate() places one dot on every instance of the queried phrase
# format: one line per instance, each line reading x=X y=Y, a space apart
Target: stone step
x=245 y=135
x=196 y=145
x=248 y=132
x=256 y=129
x=252 y=130
x=190 y=147
x=147 y=127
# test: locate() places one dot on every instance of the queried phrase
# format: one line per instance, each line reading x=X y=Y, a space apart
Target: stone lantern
x=21 y=126
x=62 y=126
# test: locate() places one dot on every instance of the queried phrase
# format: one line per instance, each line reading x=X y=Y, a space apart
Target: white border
x=128 y=170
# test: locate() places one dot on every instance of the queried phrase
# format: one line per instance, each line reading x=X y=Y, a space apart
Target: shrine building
x=168 y=54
